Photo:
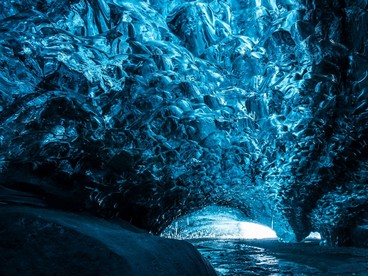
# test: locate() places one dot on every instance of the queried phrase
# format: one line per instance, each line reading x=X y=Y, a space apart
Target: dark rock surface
x=48 y=242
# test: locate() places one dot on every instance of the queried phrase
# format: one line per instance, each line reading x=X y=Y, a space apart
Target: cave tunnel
x=217 y=222
x=148 y=111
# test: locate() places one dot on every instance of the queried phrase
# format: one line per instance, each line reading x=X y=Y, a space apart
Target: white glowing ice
x=249 y=230
x=217 y=222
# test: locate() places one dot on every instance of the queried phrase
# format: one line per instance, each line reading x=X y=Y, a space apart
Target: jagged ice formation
x=148 y=110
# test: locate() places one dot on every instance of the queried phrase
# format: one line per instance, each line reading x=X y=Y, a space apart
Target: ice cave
x=140 y=137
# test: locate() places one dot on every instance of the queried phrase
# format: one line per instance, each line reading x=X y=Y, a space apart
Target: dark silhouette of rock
x=37 y=241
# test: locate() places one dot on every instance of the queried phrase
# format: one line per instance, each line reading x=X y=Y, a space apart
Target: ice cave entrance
x=217 y=222
x=313 y=236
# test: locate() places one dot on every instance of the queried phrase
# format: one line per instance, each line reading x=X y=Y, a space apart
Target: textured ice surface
x=151 y=109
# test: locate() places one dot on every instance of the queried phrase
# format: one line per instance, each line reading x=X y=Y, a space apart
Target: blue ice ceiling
x=148 y=110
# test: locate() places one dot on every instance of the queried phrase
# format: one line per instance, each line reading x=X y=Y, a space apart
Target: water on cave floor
x=270 y=257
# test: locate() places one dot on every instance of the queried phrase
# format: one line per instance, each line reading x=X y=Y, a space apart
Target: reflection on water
x=268 y=257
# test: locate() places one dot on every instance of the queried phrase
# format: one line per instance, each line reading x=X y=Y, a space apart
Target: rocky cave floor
x=270 y=257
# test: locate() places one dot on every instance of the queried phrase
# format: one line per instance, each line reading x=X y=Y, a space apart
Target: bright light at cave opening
x=313 y=236
x=249 y=230
x=217 y=222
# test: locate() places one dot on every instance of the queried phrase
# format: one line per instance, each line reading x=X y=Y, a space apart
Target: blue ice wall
x=150 y=109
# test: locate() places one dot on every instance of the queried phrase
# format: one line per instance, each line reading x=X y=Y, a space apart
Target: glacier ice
x=151 y=109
